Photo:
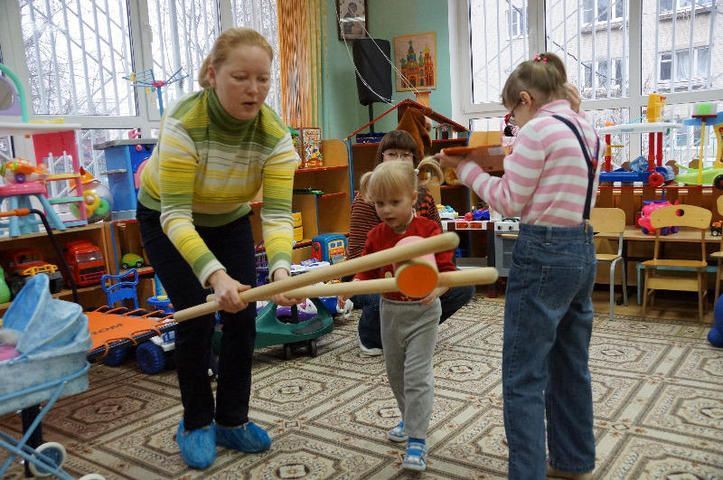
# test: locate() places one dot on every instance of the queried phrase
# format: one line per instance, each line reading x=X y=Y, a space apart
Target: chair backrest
x=609 y=220
x=719 y=204
x=119 y=288
x=681 y=216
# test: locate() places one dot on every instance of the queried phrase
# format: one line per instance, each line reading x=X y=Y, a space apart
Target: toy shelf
x=321 y=195
x=94 y=233
x=19 y=128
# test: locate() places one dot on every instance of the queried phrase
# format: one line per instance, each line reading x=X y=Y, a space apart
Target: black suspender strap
x=591 y=164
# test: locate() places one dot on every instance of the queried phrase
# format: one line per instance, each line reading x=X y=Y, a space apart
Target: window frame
x=147 y=116
x=464 y=111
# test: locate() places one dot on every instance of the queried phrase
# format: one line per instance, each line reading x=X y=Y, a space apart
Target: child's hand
x=573 y=96
x=450 y=161
x=341 y=301
x=437 y=292
x=280 y=298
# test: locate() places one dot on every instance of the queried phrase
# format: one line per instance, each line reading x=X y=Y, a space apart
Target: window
x=605 y=76
x=516 y=22
x=632 y=51
x=666 y=6
x=689 y=70
x=182 y=37
x=495 y=53
x=77 y=55
x=602 y=10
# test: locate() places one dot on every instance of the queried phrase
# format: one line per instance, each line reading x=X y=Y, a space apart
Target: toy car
x=711 y=176
x=26 y=262
x=131 y=260
x=86 y=262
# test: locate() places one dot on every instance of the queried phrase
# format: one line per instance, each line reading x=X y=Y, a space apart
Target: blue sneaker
x=198 y=447
x=397 y=433
x=414 y=459
x=249 y=438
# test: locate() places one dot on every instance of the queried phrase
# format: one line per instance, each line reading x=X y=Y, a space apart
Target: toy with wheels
x=649 y=206
x=96 y=196
x=270 y=330
x=715 y=336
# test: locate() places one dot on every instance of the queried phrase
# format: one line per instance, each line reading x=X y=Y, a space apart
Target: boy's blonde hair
x=225 y=43
x=387 y=179
x=544 y=77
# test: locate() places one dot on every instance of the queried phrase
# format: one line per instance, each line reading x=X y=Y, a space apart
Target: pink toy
x=644 y=221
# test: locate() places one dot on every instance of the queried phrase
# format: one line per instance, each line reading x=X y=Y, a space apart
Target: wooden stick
x=471 y=276
x=438 y=243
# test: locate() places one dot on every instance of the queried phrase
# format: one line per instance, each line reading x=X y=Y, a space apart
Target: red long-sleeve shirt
x=382 y=237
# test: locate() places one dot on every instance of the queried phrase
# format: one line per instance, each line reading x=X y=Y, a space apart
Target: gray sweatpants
x=409 y=335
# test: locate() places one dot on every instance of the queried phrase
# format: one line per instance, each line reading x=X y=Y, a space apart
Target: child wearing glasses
x=550 y=181
x=395 y=146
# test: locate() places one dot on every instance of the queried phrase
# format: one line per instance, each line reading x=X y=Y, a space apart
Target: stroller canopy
x=44 y=323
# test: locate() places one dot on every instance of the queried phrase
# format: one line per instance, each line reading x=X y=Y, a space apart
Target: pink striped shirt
x=546 y=176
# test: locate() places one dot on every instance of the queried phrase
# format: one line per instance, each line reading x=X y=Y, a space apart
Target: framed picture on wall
x=415 y=57
x=352 y=19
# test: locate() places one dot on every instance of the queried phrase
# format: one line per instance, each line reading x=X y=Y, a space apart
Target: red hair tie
x=540 y=58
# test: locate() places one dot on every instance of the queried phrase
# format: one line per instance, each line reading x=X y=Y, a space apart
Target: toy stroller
x=49 y=362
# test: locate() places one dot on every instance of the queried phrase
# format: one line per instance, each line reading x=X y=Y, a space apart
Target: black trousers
x=233 y=246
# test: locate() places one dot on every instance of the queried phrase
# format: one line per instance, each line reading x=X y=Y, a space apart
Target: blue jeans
x=548 y=323
x=369 y=324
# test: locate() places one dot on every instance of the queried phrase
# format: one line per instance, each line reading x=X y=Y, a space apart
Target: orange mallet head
x=416 y=277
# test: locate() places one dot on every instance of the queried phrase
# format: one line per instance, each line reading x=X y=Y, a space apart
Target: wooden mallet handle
x=470 y=276
x=438 y=243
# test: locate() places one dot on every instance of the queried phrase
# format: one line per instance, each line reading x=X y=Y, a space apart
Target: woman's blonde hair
x=225 y=43
x=387 y=179
x=544 y=77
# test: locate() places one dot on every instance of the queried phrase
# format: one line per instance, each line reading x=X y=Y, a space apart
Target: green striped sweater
x=205 y=169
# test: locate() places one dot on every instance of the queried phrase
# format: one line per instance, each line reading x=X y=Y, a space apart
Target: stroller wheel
x=53 y=454
x=92 y=476
x=287 y=351
x=313 y=348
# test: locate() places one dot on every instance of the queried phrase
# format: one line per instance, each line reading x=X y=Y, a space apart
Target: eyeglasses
x=398 y=155
x=512 y=119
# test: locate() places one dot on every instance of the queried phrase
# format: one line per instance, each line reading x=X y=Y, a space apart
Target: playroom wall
x=342 y=112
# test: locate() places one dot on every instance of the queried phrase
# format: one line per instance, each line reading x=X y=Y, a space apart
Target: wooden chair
x=719 y=254
x=611 y=220
x=673 y=277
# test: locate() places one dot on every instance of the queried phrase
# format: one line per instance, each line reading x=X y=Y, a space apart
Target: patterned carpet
x=658 y=389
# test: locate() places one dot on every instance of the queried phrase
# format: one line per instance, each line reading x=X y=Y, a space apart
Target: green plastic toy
x=4 y=289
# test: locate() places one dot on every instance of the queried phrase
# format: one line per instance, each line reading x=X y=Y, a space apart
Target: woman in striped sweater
x=216 y=148
x=395 y=145
x=550 y=181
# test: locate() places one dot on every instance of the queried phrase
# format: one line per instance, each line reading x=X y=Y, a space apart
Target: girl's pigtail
x=364 y=186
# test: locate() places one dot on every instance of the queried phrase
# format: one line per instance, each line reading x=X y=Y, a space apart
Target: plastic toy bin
x=122 y=160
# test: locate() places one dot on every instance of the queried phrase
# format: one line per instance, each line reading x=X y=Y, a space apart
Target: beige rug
x=658 y=389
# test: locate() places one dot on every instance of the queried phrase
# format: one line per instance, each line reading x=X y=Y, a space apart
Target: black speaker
x=374 y=69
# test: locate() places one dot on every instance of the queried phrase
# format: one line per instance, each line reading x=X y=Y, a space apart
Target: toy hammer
x=415 y=277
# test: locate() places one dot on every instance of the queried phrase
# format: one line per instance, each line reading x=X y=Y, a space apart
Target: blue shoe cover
x=249 y=438
x=198 y=447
